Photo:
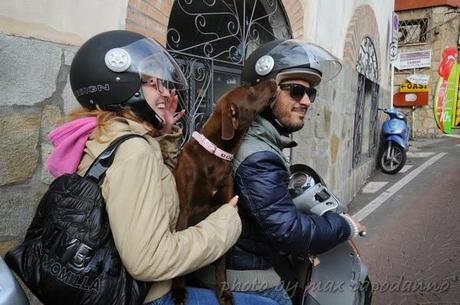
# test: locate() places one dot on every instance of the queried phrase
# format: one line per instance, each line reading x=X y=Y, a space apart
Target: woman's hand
x=234 y=202
x=170 y=116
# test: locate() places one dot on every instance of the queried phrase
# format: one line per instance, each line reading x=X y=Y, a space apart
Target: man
x=271 y=223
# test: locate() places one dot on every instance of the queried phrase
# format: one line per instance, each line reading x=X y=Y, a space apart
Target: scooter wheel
x=391 y=158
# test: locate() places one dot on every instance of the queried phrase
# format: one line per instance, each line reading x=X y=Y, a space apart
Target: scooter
x=11 y=292
x=337 y=276
x=395 y=141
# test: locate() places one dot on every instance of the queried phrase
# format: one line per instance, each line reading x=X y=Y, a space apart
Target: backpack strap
x=96 y=171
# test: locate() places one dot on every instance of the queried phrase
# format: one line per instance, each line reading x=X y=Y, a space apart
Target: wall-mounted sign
x=394 y=27
x=445 y=100
x=410 y=99
x=420 y=79
x=393 y=50
x=410 y=87
x=413 y=60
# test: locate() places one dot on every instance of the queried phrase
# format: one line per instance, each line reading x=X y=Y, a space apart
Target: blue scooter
x=395 y=141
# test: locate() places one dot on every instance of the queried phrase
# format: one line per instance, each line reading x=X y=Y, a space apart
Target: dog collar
x=211 y=147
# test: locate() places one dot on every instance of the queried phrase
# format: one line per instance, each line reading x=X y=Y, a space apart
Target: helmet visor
x=295 y=55
x=149 y=59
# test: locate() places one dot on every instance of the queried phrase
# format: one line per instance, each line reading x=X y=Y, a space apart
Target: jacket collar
x=262 y=128
x=124 y=126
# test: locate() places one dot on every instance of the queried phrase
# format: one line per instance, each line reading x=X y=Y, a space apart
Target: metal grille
x=211 y=39
x=367 y=95
x=359 y=118
x=373 y=135
x=367 y=60
x=196 y=100
x=225 y=30
x=413 y=31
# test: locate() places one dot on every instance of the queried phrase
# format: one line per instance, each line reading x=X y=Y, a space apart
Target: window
x=365 y=140
x=413 y=31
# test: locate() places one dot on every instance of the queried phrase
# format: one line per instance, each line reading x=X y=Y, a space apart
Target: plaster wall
x=326 y=23
x=326 y=141
x=65 y=21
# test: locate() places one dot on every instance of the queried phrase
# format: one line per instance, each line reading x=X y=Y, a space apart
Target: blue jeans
x=278 y=294
x=202 y=296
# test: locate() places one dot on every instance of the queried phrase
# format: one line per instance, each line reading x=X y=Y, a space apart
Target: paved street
x=413 y=243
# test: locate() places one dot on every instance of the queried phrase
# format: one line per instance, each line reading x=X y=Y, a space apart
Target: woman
x=122 y=80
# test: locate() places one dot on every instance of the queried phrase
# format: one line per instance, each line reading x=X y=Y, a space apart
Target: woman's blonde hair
x=104 y=118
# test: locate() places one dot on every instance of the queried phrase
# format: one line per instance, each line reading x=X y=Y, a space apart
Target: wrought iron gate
x=367 y=68
x=359 y=118
x=373 y=128
x=210 y=40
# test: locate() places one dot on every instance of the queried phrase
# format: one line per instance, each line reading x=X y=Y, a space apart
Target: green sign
x=445 y=100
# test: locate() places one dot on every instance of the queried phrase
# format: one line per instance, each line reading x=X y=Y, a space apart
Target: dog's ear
x=229 y=121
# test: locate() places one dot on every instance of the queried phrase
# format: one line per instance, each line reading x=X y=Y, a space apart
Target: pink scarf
x=69 y=142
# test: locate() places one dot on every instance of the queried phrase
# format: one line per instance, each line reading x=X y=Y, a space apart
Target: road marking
x=374 y=204
x=405 y=168
x=458 y=145
x=419 y=154
x=373 y=187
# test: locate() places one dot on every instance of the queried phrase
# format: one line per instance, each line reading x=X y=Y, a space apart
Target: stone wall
x=35 y=92
x=446 y=34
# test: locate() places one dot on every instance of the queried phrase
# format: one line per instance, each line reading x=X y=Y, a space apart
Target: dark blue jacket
x=271 y=223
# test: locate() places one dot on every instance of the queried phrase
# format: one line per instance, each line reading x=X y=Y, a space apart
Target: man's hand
x=362 y=231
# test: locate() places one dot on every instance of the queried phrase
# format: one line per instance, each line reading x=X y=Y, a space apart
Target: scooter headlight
x=400 y=115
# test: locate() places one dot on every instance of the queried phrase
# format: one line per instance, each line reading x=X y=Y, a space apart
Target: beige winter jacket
x=142 y=204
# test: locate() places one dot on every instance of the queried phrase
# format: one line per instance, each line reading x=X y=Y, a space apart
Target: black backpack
x=68 y=256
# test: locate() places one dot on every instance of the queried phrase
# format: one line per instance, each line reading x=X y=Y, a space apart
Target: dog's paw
x=226 y=298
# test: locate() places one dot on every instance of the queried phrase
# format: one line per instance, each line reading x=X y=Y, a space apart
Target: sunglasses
x=298 y=91
x=157 y=83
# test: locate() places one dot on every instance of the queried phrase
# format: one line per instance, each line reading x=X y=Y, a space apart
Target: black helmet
x=106 y=72
x=290 y=59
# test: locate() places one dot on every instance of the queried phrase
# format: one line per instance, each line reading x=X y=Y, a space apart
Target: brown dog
x=204 y=180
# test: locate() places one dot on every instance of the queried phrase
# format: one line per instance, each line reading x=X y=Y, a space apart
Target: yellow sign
x=410 y=87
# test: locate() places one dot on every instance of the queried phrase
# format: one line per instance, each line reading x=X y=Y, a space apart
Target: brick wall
x=149 y=17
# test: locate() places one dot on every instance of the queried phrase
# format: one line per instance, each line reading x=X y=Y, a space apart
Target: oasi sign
x=410 y=87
